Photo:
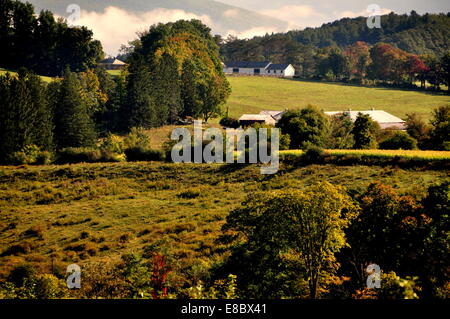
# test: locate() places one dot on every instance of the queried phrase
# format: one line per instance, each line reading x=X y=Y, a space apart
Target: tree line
x=347 y=50
x=42 y=43
x=175 y=74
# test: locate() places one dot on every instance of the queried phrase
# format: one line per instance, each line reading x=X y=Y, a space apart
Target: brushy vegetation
x=94 y=214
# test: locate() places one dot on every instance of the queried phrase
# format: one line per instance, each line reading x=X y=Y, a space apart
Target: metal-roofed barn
x=384 y=119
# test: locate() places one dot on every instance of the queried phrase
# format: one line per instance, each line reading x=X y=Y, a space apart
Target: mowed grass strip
x=254 y=94
x=426 y=155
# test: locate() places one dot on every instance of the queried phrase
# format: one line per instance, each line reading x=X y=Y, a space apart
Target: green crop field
x=254 y=94
x=52 y=216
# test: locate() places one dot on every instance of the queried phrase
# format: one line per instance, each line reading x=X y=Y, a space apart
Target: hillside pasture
x=252 y=94
x=52 y=216
x=46 y=79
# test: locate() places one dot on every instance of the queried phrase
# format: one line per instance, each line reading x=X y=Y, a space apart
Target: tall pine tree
x=25 y=114
x=74 y=126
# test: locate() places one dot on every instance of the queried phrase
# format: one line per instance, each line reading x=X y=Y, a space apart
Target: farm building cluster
x=386 y=120
x=265 y=68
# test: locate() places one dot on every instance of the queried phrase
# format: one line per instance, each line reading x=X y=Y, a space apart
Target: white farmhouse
x=259 y=68
x=282 y=70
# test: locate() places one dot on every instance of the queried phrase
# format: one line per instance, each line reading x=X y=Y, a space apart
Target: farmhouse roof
x=249 y=65
x=112 y=61
x=278 y=66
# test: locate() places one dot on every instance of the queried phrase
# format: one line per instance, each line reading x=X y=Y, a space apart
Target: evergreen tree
x=440 y=131
x=191 y=99
x=139 y=109
x=25 y=114
x=74 y=126
x=166 y=89
x=363 y=132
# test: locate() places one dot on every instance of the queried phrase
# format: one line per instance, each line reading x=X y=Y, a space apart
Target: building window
x=256 y=71
x=235 y=70
x=268 y=71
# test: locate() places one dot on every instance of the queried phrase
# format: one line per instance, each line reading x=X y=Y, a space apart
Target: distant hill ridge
x=414 y=33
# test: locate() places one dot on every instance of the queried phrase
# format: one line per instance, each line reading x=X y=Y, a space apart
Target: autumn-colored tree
x=358 y=56
x=305 y=228
x=186 y=72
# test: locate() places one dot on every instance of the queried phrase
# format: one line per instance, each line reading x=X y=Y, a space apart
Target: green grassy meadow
x=52 y=216
x=46 y=79
x=254 y=94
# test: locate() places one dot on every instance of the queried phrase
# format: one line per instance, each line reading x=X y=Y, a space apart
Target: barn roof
x=249 y=65
x=275 y=114
x=255 y=117
x=379 y=116
x=278 y=66
x=112 y=61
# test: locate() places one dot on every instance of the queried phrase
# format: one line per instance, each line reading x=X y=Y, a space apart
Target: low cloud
x=364 y=13
x=297 y=15
x=115 y=26
x=253 y=32
x=231 y=13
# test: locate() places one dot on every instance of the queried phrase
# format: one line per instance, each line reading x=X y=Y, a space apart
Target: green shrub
x=30 y=154
x=313 y=154
x=229 y=122
x=136 y=154
x=137 y=138
x=44 y=158
x=400 y=140
x=112 y=143
x=189 y=194
x=74 y=155
x=18 y=158
x=47 y=286
x=78 y=155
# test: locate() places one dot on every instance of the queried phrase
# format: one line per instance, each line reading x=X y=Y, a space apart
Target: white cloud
x=114 y=26
x=231 y=13
x=296 y=15
x=353 y=14
x=253 y=32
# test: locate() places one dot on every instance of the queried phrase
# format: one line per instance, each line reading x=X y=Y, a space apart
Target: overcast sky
x=313 y=13
x=328 y=7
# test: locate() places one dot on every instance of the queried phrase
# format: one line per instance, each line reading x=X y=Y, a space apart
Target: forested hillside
x=426 y=34
x=414 y=33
